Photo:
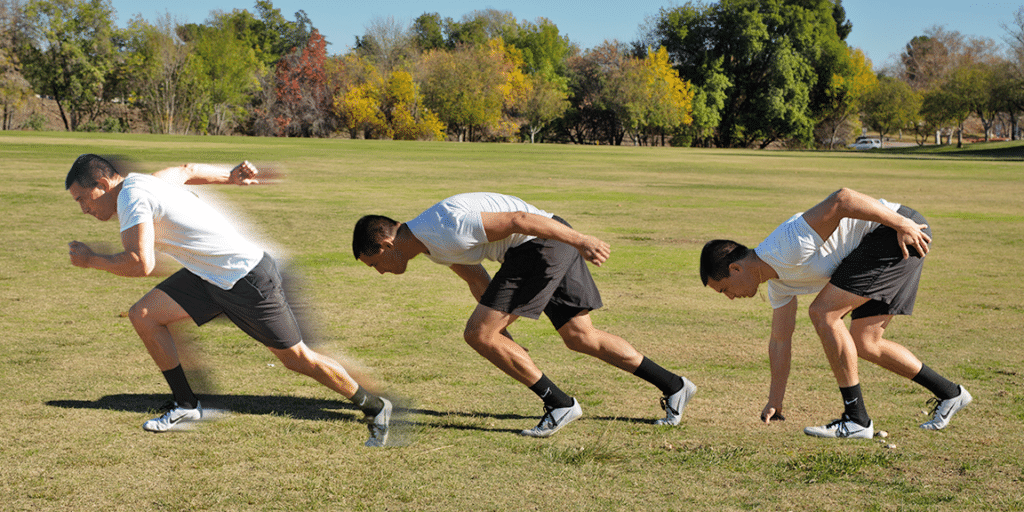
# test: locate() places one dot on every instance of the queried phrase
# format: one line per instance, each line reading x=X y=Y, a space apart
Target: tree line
x=736 y=73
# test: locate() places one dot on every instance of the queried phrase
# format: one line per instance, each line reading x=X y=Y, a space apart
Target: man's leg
x=329 y=372
x=949 y=397
x=150 y=317
x=580 y=335
x=484 y=332
x=826 y=314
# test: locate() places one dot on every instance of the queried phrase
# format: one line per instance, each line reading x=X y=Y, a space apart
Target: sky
x=880 y=28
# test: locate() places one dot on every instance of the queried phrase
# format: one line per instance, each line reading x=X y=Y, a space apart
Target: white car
x=865 y=143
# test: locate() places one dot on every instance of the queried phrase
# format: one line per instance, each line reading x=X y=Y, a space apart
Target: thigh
x=160 y=308
x=834 y=299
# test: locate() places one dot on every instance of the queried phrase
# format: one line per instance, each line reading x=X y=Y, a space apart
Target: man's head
x=726 y=266
x=89 y=181
x=373 y=243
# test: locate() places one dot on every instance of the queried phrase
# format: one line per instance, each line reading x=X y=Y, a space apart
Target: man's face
x=96 y=201
x=741 y=283
x=388 y=259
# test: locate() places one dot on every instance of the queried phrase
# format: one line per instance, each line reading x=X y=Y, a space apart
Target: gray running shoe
x=176 y=418
x=843 y=428
x=555 y=419
x=379 y=426
x=675 y=403
x=945 y=409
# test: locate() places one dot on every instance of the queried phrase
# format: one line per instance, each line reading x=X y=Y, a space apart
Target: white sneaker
x=675 y=403
x=945 y=409
x=380 y=425
x=843 y=428
x=555 y=419
x=174 y=419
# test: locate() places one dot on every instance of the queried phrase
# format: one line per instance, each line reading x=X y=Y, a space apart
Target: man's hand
x=593 y=249
x=80 y=254
x=770 y=413
x=244 y=174
x=911 y=234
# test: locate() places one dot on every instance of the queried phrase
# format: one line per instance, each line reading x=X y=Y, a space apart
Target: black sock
x=370 y=405
x=942 y=387
x=182 y=392
x=854 y=403
x=668 y=382
x=553 y=397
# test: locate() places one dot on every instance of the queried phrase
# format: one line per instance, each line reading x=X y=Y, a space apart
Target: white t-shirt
x=453 y=229
x=804 y=261
x=187 y=229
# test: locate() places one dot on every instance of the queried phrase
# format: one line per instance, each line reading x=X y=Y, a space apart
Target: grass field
x=77 y=384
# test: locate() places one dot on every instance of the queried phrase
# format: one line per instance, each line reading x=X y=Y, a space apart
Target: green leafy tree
x=428 y=31
x=853 y=79
x=891 y=105
x=14 y=89
x=67 y=53
x=777 y=58
x=546 y=101
x=228 y=72
x=161 y=75
x=941 y=108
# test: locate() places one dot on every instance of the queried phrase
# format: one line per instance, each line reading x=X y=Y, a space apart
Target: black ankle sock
x=663 y=379
x=548 y=392
x=370 y=405
x=854 y=405
x=942 y=387
x=182 y=392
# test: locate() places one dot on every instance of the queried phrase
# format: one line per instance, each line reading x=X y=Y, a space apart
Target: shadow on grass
x=311 y=409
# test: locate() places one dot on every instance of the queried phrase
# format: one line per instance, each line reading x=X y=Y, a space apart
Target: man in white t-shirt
x=862 y=257
x=224 y=273
x=543 y=270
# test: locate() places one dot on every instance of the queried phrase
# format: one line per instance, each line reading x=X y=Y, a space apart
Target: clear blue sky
x=880 y=28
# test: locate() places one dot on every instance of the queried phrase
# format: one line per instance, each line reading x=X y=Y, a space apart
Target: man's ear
x=387 y=243
x=104 y=183
x=735 y=268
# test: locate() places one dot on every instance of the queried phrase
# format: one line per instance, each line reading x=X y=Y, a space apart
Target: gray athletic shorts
x=543 y=276
x=876 y=270
x=256 y=303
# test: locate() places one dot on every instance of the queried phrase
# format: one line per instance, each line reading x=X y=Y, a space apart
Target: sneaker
x=555 y=419
x=175 y=418
x=843 y=428
x=379 y=426
x=945 y=409
x=674 y=404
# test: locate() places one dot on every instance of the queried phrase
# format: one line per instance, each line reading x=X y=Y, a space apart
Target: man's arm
x=780 y=355
x=475 y=276
x=207 y=174
x=844 y=203
x=137 y=260
x=499 y=226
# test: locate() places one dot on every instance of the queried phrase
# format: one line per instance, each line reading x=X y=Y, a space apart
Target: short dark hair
x=88 y=169
x=370 y=231
x=716 y=257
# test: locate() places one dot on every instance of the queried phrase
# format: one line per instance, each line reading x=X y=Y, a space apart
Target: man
x=223 y=273
x=542 y=270
x=862 y=257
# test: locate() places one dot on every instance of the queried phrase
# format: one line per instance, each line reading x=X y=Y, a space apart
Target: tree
x=389 y=108
x=68 y=52
x=428 y=31
x=847 y=89
x=301 y=101
x=891 y=105
x=14 y=89
x=1014 y=72
x=228 y=74
x=160 y=75
x=475 y=90
x=940 y=107
x=545 y=102
x=590 y=118
x=387 y=44
x=777 y=56
x=650 y=98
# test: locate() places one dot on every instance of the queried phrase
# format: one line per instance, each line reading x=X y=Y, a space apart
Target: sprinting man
x=224 y=273
x=863 y=257
x=543 y=269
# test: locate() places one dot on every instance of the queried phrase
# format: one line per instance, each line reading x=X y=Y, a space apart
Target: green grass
x=77 y=383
